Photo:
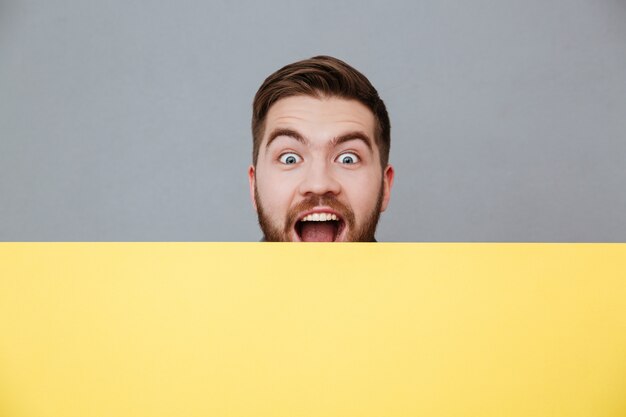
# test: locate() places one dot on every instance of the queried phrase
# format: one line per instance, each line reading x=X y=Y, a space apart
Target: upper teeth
x=319 y=217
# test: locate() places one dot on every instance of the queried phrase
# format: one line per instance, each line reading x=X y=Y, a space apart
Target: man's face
x=318 y=175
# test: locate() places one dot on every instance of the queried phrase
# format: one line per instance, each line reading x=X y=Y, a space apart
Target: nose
x=319 y=179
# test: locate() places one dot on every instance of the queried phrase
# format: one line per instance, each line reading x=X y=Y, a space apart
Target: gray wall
x=129 y=120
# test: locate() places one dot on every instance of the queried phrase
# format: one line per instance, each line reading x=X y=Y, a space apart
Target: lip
x=340 y=235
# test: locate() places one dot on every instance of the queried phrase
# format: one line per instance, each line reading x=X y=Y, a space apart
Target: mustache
x=345 y=212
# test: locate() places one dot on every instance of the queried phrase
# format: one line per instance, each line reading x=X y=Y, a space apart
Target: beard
x=355 y=233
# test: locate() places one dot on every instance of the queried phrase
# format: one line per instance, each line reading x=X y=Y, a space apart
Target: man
x=321 y=138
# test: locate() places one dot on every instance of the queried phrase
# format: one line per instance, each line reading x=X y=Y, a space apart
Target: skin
x=319 y=155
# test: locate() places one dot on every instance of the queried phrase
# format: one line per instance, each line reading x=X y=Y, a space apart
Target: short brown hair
x=320 y=76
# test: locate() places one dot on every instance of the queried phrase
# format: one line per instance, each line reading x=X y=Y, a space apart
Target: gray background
x=129 y=120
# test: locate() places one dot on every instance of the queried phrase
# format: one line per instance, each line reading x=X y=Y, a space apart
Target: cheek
x=275 y=193
x=362 y=192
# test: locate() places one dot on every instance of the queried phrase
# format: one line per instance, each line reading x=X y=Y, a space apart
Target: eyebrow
x=285 y=132
x=356 y=135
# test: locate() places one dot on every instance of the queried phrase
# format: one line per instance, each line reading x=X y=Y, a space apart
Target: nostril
x=320 y=185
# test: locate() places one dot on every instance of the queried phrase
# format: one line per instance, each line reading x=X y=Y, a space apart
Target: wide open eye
x=290 y=158
x=348 y=158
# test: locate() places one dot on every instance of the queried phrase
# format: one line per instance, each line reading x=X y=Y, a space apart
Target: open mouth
x=320 y=227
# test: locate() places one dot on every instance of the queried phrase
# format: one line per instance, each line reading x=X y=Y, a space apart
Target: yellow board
x=296 y=330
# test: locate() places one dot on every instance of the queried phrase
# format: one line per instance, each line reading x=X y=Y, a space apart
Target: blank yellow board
x=254 y=329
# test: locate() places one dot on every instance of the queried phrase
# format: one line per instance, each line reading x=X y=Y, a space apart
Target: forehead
x=323 y=117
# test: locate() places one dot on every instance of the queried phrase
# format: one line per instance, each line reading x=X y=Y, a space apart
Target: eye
x=290 y=158
x=348 y=158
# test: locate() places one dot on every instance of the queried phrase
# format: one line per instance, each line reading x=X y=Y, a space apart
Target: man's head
x=321 y=138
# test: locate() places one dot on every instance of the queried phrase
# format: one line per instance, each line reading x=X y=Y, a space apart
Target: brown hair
x=320 y=76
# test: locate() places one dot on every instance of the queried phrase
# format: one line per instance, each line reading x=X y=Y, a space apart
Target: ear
x=388 y=174
x=251 y=180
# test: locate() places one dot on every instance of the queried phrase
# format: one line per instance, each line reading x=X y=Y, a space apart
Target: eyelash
x=283 y=157
x=351 y=153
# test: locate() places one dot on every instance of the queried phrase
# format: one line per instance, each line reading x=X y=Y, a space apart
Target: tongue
x=318 y=231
